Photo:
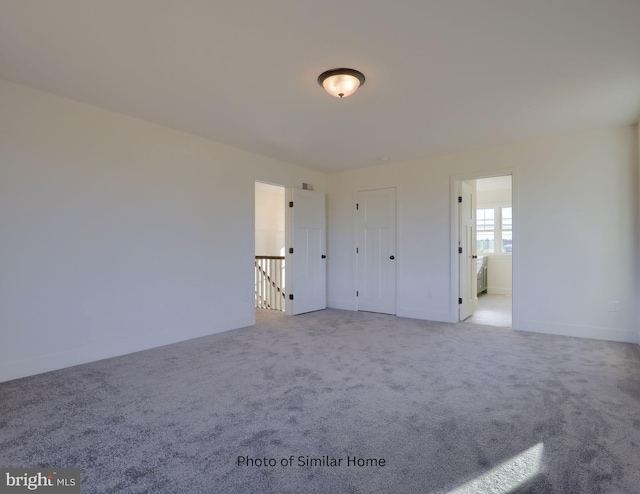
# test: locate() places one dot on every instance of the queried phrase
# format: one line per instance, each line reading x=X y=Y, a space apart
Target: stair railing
x=270 y=282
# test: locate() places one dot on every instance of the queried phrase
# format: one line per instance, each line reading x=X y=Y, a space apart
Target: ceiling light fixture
x=341 y=82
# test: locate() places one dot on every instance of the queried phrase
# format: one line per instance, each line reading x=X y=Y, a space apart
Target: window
x=494 y=229
x=506 y=229
x=485 y=230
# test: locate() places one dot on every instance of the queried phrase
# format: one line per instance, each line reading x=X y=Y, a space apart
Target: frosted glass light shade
x=341 y=82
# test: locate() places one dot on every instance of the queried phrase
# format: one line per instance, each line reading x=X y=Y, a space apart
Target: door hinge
x=357 y=294
x=357 y=206
x=459 y=250
x=291 y=296
x=357 y=251
x=290 y=250
x=290 y=204
x=459 y=301
x=459 y=200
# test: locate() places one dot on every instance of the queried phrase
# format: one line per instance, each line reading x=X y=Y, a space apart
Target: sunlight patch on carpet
x=507 y=476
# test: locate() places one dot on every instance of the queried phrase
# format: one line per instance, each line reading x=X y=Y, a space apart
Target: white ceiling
x=442 y=75
x=493 y=183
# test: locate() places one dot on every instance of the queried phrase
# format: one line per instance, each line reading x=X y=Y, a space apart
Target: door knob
x=323 y=256
x=392 y=257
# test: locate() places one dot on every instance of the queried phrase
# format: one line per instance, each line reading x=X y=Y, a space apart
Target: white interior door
x=467 y=252
x=305 y=252
x=376 y=250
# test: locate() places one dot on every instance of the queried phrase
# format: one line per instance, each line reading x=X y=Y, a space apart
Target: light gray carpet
x=444 y=405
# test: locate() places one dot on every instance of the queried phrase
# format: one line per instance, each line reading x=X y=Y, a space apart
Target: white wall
x=117 y=234
x=576 y=239
x=499 y=274
x=270 y=216
x=491 y=197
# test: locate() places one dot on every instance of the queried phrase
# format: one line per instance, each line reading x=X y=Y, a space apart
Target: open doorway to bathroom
x=269 y=247
x=485 y=245
x=494 y=241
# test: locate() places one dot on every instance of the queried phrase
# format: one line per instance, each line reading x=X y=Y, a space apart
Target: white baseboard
x=423 y=314
x=400 y=312
x=335 y=304
x=595 y=333
x=37 y=364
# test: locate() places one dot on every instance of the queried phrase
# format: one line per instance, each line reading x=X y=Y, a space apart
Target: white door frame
x=288 y=306
x=453 y=247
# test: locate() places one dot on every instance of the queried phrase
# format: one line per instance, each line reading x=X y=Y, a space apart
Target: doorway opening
x=269 y=247
x=484 y=238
